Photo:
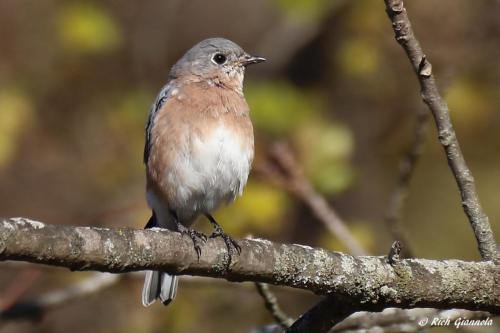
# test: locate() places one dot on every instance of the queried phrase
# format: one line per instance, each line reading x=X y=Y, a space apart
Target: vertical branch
x=405 y=173
x=430 y=95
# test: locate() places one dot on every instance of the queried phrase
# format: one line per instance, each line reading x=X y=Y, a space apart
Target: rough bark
x=367 y=282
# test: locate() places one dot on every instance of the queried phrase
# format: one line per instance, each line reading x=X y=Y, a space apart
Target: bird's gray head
x=217 y=60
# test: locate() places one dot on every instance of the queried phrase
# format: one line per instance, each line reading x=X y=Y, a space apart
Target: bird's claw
x=230 y=242
x=197 y=237
x=231 y=245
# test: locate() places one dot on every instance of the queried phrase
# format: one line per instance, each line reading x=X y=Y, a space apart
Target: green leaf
x=324 y=152
x=278 y=107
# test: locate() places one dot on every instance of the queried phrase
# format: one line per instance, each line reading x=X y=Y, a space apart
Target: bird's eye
x=219 y=58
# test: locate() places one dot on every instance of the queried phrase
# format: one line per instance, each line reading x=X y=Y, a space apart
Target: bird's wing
x=160 y=100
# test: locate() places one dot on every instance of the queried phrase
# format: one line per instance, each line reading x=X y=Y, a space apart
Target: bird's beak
x=250 y=60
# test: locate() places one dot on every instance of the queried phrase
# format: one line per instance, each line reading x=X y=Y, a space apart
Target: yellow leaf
x=470 y=102
x=361 y=232
x=87 y=28
x=358 y=57
x=261 y=208
x=16 y=114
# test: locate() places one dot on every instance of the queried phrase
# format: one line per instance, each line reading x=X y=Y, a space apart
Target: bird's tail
x=159 y=285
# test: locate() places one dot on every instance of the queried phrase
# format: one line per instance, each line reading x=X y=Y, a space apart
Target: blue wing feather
x=160 y=100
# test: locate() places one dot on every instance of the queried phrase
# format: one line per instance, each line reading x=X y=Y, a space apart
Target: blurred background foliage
x=77 y=79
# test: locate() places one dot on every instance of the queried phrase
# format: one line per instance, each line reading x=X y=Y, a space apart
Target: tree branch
x=271 y=303
x=393 y=320
x=368 y=282
x=437 y=105
x=284 y=171
x=325 y=314
x=397 y=320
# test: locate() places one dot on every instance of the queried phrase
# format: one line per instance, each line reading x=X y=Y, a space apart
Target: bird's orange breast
x=202 y=145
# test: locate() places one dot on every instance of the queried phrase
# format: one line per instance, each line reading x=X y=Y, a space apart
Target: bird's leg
x=231 y=244
x=152 y=222
x=197 y=237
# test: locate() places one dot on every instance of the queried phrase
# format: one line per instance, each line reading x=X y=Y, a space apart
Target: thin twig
x=35 y=308
x=477 y=217
x=287 y=173
x=273 y=307
x=405 y=173
x=394 y=253
x=22 y=282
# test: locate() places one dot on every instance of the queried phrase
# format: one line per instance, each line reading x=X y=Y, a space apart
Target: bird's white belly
x=213 y=171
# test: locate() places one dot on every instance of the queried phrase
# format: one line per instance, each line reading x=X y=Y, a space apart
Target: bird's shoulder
x=159 y=102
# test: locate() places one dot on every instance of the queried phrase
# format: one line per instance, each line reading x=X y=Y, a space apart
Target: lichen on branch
x=367 y=280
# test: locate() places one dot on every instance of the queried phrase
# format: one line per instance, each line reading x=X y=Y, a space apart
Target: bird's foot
x=197 y=237
x=232 y=246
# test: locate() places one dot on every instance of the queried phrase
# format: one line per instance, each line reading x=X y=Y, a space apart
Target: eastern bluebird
x=199 y=147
